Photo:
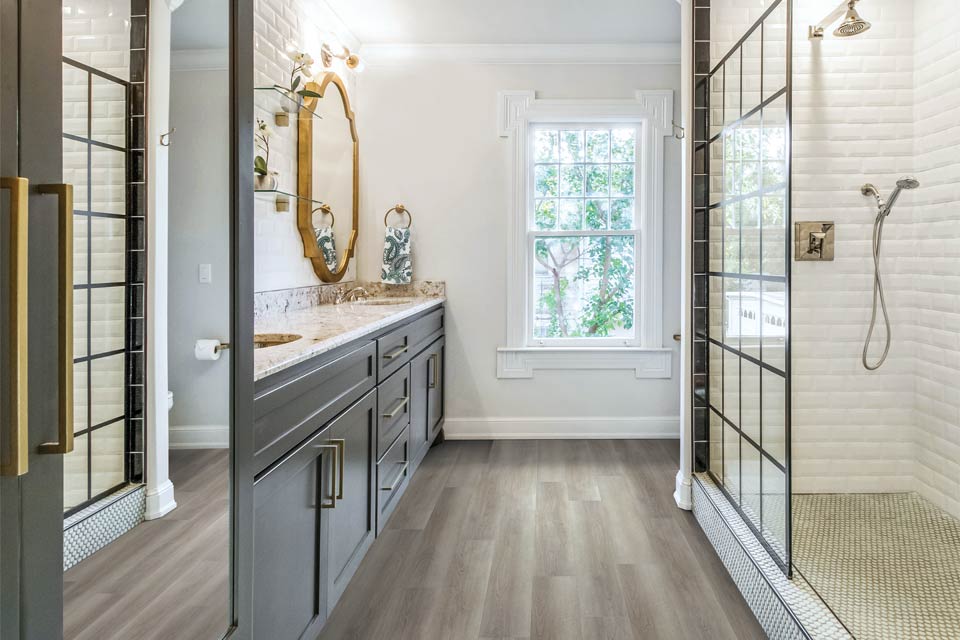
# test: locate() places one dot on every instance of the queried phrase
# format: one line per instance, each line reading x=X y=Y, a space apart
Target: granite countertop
x=327 y=326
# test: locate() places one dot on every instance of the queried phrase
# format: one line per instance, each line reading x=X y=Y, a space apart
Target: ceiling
x=510 y=21
x=201 y=24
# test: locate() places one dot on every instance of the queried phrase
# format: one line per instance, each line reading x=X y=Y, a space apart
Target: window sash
x=532 y=233
x=633 y=340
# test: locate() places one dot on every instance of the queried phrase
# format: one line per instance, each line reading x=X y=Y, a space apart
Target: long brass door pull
x=64 y=193
x=16 y=464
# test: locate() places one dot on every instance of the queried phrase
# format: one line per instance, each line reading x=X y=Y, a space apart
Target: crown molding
x=199 y=59
x=651 y=53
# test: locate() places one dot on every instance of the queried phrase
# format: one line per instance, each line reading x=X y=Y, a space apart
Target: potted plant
x=264 y=178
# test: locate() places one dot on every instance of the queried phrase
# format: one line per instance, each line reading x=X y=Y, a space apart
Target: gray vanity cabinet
x=352 y=523
x=289 y=589
x=336 y=437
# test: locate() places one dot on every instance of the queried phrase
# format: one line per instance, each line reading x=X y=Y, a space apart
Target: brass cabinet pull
x=342 y=447
x=390 y=355
x=64 y=193
x=433 y=375
x=396 y=409
x=400 y=476
x=17 y=465
x=333 y=499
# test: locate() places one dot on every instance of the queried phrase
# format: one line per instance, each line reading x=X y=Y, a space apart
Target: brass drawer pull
x=64 y=193
x=333 y=499
x=17 y=464
x=397 y=408
x=342 y=446
x=390 y=355
x=434 y=360
x=400 y=477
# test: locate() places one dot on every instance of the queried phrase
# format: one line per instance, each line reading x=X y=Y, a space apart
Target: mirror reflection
x=328 y=168
x=146 y=493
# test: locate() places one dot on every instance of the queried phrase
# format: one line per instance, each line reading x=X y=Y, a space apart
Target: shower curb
x=96 y=526
x=786 y=609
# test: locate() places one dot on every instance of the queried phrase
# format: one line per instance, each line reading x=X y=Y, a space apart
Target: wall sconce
x=352 y=60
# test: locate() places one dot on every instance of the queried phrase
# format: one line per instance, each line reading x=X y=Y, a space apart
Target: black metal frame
x=703 y=408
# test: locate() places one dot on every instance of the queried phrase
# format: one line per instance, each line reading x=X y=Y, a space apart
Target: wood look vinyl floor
x=545 y=540
x=165 y=579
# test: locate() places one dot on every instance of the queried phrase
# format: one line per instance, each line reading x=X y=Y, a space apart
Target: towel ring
x=325 y=209
x=400 y=209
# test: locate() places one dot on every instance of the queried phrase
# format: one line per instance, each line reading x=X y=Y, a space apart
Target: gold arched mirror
x=328 y=178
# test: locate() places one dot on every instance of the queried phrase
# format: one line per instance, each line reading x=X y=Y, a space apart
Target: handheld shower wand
x=884 y=207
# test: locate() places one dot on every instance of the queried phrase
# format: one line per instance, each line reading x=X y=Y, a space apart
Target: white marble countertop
x=327 y=326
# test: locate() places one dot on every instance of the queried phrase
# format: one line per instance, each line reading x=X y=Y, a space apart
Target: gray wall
x=199 y=223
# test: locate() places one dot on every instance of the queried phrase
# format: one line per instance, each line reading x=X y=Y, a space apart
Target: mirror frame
x=305 y=179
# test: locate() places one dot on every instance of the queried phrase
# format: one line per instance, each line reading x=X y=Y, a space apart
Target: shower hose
x=877 y=297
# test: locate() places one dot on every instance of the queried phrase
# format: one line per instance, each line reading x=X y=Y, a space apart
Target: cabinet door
x=435 y=372
x=289 y=539
x=352 y=524
x=419 y=392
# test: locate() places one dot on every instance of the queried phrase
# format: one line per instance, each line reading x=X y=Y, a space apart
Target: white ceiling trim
x=650 y=53
x=199 y=59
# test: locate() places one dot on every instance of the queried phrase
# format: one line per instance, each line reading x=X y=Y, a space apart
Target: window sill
x=522 y=362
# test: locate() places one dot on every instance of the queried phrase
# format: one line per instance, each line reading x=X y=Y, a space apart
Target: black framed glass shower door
x=742 y=113
x=101 y=136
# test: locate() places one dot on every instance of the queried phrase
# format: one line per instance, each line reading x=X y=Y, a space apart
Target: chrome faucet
x=357 y=293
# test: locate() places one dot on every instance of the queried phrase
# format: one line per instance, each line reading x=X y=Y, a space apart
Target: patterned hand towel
x=397 y=268
x=325 y=242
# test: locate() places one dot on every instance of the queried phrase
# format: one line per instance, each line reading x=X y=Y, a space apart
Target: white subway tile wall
x=97 y=33
x=282 y=27
x=931 y=264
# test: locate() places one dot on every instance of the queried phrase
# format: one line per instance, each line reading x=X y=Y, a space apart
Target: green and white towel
x=397 y=268
x=327 y=246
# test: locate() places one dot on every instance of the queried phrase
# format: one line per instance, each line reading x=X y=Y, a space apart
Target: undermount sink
x=377 y=302
x=264 y=340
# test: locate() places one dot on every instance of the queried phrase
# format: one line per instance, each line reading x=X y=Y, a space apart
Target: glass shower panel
x=96 y=161
x=744 y=174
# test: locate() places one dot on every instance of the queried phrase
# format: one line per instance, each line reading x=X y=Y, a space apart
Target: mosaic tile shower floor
x=887 y=564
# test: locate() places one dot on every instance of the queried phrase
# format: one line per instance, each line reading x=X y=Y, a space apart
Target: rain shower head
x=852 y=24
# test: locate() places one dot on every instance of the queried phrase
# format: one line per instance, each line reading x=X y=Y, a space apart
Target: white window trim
x=652 y=110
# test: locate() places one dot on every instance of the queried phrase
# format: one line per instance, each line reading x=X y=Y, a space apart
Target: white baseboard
x=200 y=436
x=561 y=428
x=160 y=502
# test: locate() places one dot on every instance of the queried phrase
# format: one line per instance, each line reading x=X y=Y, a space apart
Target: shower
x=884 y=207
x=852 y=24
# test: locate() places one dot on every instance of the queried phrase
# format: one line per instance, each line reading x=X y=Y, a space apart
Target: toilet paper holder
x=223 y=346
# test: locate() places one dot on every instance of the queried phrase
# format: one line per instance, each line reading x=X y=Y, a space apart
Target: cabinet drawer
x=397 y=347
x=393 y=406
x=288 y=413
x=393 y=472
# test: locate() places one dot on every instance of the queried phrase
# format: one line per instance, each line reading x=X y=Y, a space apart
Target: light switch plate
x=814 y=241
x=205 y=274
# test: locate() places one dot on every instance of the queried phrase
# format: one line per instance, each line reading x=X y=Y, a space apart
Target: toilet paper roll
x=207 y=350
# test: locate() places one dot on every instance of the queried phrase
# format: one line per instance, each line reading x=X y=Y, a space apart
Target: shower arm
x=816 y=31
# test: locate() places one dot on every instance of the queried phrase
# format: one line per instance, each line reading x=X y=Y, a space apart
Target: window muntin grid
x=582 y=234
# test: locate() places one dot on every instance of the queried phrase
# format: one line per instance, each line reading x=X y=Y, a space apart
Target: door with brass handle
x=15 y=461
